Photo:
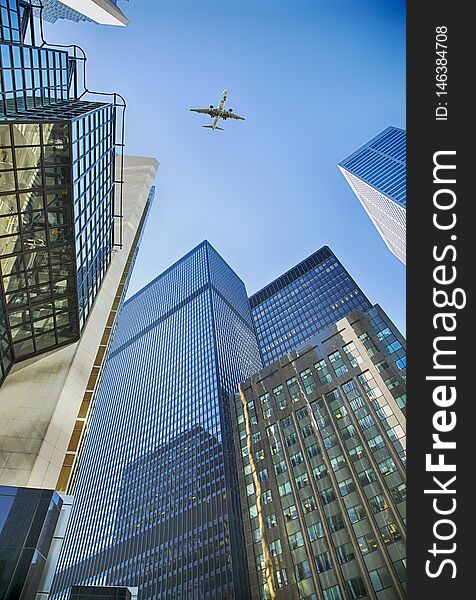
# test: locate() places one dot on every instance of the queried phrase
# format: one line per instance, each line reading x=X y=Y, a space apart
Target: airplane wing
x=205 y=111
x=231 y=115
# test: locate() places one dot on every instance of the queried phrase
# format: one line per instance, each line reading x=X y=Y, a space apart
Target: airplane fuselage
x=220 y=110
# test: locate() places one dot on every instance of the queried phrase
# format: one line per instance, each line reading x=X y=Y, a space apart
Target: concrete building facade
x=320 y=447
x=45 y=400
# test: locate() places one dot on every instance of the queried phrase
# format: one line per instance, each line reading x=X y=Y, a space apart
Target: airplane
x=218 y=112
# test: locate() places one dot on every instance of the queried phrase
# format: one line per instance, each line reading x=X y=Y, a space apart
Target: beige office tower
x=45 y=399
x=320 y=448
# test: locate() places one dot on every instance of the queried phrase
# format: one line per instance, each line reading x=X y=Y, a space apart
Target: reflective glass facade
x=320 y=440
x=56 y=220
x=313 y=294
x=32 y=77
x=28 y=518
x=56 y=194
x=377 y=174
x=12 y=14
x=156 y=496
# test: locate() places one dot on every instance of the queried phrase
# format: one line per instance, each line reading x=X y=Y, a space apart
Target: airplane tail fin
x=211 y=127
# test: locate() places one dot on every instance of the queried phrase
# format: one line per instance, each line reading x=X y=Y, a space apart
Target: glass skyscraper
x=57 y=193
x=156 y=494
x=313 y=294
x=376 y=173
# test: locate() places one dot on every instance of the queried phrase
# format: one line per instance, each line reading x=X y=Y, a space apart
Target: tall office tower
x=320 y=446
x=104 y=12
x=315 y=293
x=377 y=175
x=156 y=497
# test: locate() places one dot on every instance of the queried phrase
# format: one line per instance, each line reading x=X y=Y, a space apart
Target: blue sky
x=315 y=79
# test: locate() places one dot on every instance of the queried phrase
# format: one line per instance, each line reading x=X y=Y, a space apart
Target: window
x=346 y=487
x=382 y=365
x=380 y=579
x=332 y=593
x=345 y=553
x=323 y=562
x=338 y=364
x=296 y=459
x=308 y=381
x=356 y=453
x=401 y=569
x=263 y=475
x=256 y=535
x=376 y=443
x=401 y=400
x=250 y=489
x=293 y=388
x=281 y=578
x=280 y=467
x=369 y=345
x=303 y=570
x=302 y=480
x=287 y=422
x=313 y=451
x=253 y=511
x=290 y=513
x=301 y=414
x=296 y=540
x=327 y=496
x=356 y=513
x=387 y=466
x=290 y=439
x=378 y=503
x=315 y=531
x=259 y=455
x=335 y=522
x=399 y=493
x=338 y=462
x=391 y=383
x=352 y=354
x=309 y=504
x=390 y=534
x=367 y=543
x=323 y=373
x=260 y=564
x=366 y=476
x=306 y=431
x=266 y=405
x=284 y=489
x=255 y=437
x=266 y=497
x=320 y=471
x=279 y=397
x=355 y=588
x=271 y=521
x=275 y=548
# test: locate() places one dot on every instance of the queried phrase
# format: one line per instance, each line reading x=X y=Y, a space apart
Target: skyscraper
x=376 y=172
x=58 y=196
x=320 y=447
x=104 y=12
x=156 y=497
x=313 y=294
